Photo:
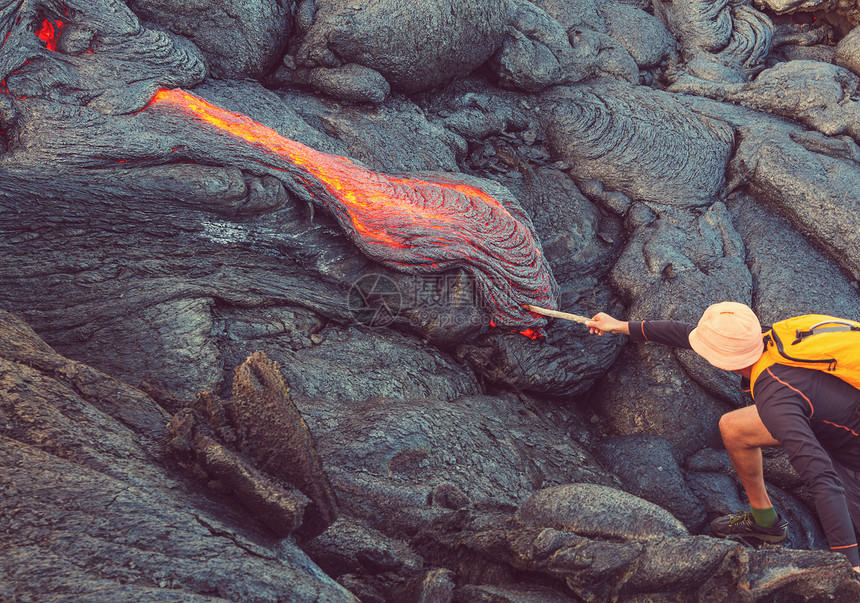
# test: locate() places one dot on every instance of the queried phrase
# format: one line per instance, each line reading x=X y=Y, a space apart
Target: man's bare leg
x=744 y=435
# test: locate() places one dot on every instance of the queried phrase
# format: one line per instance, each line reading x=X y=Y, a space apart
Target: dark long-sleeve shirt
x=813 y=415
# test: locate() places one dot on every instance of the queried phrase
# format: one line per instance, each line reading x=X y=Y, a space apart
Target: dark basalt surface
x=213 y=388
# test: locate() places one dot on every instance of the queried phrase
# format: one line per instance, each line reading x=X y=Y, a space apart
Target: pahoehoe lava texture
x=628 y=137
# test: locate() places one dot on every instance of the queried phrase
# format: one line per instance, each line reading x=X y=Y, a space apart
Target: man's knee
x=742 y=428
x=730 y=428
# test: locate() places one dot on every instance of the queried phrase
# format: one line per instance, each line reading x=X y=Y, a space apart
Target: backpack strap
x=767 y=360
x=836 y=326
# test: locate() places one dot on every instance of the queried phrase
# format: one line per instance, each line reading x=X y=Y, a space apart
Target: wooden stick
x=557 y=314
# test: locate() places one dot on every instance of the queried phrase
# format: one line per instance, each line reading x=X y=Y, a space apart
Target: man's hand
x=604 y=323
x=856 y=568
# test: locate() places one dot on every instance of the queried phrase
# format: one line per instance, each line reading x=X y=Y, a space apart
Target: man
x=814 y=416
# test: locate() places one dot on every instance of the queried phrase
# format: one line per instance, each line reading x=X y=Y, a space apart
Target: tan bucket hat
x=728 y=336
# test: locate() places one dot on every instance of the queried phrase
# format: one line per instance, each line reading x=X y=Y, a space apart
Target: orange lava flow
x=412 y=224
x=364 y=203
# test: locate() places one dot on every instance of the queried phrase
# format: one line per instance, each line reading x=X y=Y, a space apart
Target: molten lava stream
x=415 y=225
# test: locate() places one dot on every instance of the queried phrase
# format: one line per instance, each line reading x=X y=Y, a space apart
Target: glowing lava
x=49 y=32
x=531 y=333
x=415 y=225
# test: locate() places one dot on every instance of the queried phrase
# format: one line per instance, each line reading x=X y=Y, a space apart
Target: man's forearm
x=667 y=332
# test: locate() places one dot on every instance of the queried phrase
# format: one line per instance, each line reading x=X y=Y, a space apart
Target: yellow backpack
x=815 y=341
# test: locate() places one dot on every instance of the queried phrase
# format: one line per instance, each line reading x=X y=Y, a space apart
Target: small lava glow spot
x=532 y=333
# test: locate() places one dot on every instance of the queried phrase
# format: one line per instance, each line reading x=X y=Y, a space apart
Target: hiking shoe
x=742 y=524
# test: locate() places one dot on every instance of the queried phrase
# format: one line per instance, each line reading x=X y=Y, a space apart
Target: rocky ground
x=213 y=388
